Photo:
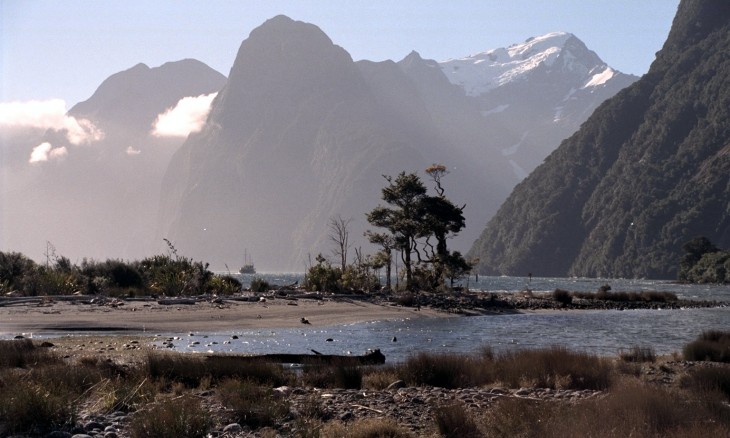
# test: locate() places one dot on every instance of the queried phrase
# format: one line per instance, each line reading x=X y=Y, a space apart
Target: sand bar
x=150 y=316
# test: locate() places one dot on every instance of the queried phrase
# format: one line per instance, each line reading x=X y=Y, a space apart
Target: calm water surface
x=600 y=332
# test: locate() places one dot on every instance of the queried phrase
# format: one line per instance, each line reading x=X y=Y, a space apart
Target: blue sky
x=65 y=49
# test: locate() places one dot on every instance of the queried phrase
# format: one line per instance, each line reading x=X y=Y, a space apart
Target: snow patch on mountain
x=485 y=71
x=600 y=78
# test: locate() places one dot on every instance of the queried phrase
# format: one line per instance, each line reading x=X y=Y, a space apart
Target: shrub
x=323 y=276
x=224 y=285
x=259 y=285
x=562 y=296
x=177 y=417
x=406 y=299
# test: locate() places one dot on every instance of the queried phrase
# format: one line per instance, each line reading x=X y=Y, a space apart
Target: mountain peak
x=484 y=71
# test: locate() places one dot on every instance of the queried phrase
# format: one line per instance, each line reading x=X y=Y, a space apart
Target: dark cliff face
x=647 y=172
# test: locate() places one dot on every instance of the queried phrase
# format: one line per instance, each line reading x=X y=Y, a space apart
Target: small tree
x=384 y=257
x=339 y=234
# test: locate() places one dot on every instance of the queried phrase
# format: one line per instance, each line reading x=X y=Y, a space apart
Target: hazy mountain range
x=647 y=172
x=297 y=133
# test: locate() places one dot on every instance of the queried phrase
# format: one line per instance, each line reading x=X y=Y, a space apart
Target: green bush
x=259 y=285
x=323 y=276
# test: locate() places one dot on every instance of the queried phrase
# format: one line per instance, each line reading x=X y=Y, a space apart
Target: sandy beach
x=150 y=316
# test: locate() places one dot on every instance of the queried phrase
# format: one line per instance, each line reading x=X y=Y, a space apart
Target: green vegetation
x=176 y=394
x=645 y=173
x=417 y=226
x=169 y=274
x=703 y=262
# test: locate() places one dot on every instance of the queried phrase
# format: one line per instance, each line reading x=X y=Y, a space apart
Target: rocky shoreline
x=412 y=407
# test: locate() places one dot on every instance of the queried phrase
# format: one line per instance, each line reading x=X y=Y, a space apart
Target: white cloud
x=48 y=114
x=187 y=116
x=133 y=151
x=46 y=151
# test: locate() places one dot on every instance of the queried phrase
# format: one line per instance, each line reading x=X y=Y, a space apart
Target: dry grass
x=366 y=428
x=41 y=391
x=182 y=416
x=556 y=368
x=711 y=346
x=251 y=403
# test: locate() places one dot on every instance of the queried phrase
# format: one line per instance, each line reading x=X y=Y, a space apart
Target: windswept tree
x=412 y=217
x=405 y=195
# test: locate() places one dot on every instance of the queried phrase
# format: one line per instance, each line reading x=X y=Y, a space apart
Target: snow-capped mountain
x=483 y=72
x=539 y=91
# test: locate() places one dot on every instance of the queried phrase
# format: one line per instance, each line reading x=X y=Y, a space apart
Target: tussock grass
x=444 y=370
x=379 y=377
x=337 y=376
x=41 y=392
x=712 y=379
x=555 y=367
x=21 y=353
x=629 y=409
x=195 y=370
x=711 y=345
x=27 y=405
x=453 y=421
x=251 y=403
x=366 y=428
x=182 y=416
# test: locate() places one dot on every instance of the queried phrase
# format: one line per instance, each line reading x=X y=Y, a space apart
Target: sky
x=64 y=49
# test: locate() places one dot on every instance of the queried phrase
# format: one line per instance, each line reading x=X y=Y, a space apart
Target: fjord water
x=599 y=332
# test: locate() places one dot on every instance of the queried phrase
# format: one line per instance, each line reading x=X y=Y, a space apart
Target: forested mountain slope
x=648 y=171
